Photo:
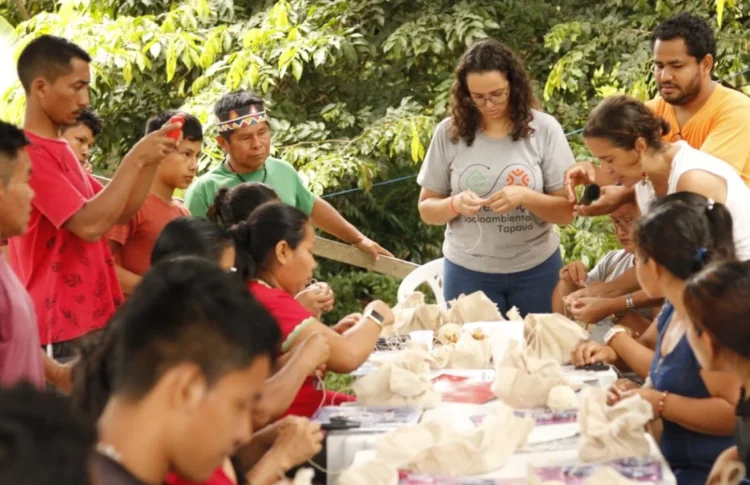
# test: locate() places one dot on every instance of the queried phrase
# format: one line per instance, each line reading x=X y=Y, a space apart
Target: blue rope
x=407 y=177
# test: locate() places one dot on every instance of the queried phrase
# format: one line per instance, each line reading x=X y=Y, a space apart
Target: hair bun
x=243 y=233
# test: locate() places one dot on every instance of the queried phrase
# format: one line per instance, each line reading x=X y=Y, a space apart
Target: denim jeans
x=530 y=291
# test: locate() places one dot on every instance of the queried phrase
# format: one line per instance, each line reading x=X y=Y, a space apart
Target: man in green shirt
x=245 y=136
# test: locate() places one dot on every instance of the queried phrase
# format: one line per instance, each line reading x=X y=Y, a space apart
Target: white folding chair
x=431 y=274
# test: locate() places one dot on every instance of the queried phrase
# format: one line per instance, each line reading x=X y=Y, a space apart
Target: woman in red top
x=275 y=253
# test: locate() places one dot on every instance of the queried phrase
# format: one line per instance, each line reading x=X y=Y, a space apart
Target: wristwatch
x=614 y=331
x=375 y=317
x=629 y=301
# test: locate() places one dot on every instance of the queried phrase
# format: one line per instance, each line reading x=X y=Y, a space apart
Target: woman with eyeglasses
x=494 y=174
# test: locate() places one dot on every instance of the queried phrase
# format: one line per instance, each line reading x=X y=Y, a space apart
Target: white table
x=517 y=467
x=344 y=446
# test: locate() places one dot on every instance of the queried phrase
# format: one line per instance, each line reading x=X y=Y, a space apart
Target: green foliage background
x=355 y=87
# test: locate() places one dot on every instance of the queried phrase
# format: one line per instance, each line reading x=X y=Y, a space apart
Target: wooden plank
x=343 y=253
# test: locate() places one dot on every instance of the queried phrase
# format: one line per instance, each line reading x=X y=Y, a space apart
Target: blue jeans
x=530 y=291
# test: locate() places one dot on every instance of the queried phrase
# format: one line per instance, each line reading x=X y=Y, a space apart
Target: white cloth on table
x=371 y=473
x=612 y=432
x=525 y=382
x=436 y=447
x=552 y=336
x=402 y=380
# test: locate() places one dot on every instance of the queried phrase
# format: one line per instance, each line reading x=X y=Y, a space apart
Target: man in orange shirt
x=710 y=117
x=707 y=115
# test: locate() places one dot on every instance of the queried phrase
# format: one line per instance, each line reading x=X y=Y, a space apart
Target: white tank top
x=738 y=194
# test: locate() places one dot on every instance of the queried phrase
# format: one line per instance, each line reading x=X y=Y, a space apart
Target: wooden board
x=343 y=253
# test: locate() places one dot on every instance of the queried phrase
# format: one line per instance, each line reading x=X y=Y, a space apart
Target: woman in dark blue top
x=718 y=304
x=673 y=241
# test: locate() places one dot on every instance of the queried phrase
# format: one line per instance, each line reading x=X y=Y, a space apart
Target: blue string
x=408 y=177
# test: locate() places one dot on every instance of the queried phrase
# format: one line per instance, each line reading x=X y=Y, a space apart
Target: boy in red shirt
x=131 y=243
x=63 y=259
x=82 y=135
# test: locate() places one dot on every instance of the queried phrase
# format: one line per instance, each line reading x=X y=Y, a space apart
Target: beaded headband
x=237 y=118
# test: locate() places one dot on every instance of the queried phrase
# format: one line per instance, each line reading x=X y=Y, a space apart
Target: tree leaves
x=355 y=87
x=171 y=61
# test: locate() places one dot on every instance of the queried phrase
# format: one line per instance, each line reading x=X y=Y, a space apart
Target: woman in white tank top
x=627 y=138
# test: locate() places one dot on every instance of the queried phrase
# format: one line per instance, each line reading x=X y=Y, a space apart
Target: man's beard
x=685 y=96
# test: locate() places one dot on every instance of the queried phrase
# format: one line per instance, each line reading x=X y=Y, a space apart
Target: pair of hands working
x=318 y=298
x=586 y=304
x=582 y=173
x=610 y=196
x=468 y=203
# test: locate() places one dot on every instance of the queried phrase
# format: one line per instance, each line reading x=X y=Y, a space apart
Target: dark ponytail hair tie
x=700 y=257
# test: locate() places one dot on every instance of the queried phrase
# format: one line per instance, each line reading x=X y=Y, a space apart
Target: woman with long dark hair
x=494 y=174
x=718 y=302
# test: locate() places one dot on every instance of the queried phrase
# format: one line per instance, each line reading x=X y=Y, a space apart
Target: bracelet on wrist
x=662 y=401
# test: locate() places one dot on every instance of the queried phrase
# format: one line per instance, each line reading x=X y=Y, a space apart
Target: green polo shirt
x=281 y=177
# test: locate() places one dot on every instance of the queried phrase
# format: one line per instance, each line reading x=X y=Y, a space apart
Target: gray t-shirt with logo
x=489 y=242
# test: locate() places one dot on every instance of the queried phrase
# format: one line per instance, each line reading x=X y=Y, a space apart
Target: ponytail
x=242 y=234
x=219 y=212
x=722 y=232
x=685 y=231
x=93 y=375
x=232 y=206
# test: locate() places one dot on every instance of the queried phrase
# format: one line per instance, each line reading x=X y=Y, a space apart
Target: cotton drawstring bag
x=525 y=382
x=476 y=307
x=437 y=448
x=413 y=314
x=612 y=432
x=552 y=336
x=470 y=353
x=400 y=381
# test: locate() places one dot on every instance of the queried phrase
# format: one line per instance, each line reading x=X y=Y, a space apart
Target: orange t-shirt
x=721 y=127
x=138 y=236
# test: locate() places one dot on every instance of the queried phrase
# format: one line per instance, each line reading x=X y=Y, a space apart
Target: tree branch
x=22 y=10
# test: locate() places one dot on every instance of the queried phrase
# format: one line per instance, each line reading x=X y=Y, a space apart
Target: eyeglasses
x=495 y=98
x=624 y=224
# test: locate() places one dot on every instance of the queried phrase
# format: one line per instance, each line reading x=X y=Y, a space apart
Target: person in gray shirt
x=575 y=298
x=494 y=174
